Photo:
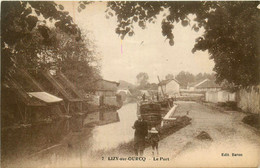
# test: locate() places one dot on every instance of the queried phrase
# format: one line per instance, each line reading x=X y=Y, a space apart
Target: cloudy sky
x=146 y=51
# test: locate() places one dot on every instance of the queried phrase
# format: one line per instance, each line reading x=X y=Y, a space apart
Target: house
x=204 y=85
x=106 y=87
x=169 y=87
x=107 y=92
x=124 y=93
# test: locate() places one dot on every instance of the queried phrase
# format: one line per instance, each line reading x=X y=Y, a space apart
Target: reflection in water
x=111 y=135
x=112 y=129
x=25 y=141
x=108 y=117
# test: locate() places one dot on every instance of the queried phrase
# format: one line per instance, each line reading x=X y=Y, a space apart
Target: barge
x=153 y=112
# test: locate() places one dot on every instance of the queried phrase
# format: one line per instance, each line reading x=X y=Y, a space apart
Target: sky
x=146 y=51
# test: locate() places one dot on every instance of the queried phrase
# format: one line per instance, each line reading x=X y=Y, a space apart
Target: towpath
x=229 y=135
x=181 y=149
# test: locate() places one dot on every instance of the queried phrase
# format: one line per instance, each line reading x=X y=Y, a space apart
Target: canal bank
x=126 y=149
x=94 y=142
x=64 y=140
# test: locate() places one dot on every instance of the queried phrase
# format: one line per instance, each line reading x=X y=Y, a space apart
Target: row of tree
x=183 y=77
x=41 y=35
x=231 y=34
x=186 y=78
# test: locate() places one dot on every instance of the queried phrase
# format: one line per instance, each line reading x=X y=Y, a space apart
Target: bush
x=252 y=120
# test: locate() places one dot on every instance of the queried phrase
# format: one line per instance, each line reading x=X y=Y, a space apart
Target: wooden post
x=81 y=106
x=21 y=113
x=25 y=114
x=68 y=107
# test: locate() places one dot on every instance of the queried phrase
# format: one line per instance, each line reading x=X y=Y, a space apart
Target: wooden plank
x=22 y=93
x=46 y=97
x=56 y=85
x=44 y=150
x=71 y=86
x=31 y=79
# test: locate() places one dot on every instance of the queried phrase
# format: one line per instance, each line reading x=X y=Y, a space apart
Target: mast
x=161 y=86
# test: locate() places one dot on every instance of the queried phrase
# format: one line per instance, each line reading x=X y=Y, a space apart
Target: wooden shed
x=25 y=101
x=59 y=85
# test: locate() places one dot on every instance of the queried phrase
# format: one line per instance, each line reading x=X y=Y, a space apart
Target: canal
x=111 y=135
x=63 y=142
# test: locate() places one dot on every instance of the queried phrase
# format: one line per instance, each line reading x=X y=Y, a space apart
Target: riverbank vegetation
x=231 y=31
x=42 y=35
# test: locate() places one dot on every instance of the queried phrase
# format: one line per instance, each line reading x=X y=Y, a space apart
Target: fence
x=220 y=96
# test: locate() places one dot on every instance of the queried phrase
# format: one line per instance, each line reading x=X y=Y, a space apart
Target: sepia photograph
x=130 y=84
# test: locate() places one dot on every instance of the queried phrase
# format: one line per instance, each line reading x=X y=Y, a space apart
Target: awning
x=46 y=97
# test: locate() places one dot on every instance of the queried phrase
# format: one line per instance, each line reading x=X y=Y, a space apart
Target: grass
x=252 y=120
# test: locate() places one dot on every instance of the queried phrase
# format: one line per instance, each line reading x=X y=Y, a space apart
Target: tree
x=26 y=31
x=76 y=59
x=142 y=79
x=40 y=35
x=209 y=76
x=169 y=76
x=151 y=86
x=231 y=31
x=199 y=77
x=185 y=78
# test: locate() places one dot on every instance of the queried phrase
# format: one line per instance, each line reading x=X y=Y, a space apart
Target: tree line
x=231 y=34
x=183 y=77
x=39 y=35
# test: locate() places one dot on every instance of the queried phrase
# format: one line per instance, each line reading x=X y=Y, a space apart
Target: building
x=220 y=96
x=107 y=93
x=124 y=93
x=106 y=87
x=25 y=101
x=59 y=85
x=204 y=85
x=169 y=87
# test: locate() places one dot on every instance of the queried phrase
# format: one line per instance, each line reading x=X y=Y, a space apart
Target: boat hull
x=152 y=112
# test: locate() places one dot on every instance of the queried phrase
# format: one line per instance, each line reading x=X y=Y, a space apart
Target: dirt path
x=229 y=135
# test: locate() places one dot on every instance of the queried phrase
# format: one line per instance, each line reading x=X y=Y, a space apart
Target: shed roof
x=117 y=83
x=209 y=84
x=46 y=97
x=165 y=82
x=195 y=84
